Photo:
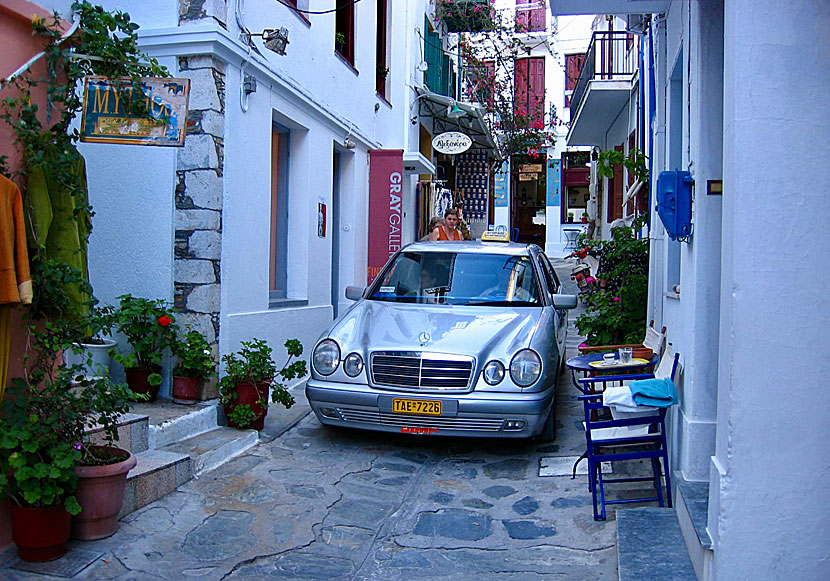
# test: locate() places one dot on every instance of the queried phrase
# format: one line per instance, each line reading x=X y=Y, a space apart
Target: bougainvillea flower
x=616 y=299
x=590 y=280
x=581 y=345
x=164 y=320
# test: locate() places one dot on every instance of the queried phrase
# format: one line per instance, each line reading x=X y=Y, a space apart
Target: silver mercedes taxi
x=451 y=339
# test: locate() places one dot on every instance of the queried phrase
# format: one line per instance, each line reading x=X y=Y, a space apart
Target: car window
x=458 y=279
x=550 y=274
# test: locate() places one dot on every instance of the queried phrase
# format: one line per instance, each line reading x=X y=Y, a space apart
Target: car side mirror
x=564 y=301
x=355 y=293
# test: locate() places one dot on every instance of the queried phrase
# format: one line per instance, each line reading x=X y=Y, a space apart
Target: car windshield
x=458 y=279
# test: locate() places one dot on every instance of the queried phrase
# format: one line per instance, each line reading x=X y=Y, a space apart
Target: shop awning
x=472 y=123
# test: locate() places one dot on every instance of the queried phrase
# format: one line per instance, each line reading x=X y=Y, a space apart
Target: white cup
x=608 y=359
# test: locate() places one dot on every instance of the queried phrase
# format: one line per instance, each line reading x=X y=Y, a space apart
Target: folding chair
x=612 y=439
x=654 y=341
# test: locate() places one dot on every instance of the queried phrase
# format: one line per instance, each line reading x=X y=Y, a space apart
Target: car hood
x=482 y=332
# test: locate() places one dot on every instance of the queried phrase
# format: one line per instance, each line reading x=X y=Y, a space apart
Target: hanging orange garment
x=15 y=281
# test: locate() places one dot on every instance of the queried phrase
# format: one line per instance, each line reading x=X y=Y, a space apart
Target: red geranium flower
x=164 y=320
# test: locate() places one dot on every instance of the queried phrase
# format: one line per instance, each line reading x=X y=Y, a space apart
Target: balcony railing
x=611 y=56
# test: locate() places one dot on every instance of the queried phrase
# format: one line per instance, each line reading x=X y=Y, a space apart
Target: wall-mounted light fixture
x=455 y=112
x=275 y=39
x=249 y=85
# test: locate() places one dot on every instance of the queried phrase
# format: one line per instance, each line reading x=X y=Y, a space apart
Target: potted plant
x=339 y=41
x=570 y=217
x=249 y=374
x=92 y=352
x=150 y=328
x=584 y=217
x=195 y=363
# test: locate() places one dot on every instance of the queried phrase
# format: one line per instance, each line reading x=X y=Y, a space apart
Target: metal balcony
x=566 y=7
x=604 y=86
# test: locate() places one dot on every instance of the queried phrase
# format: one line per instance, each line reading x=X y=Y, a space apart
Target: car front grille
x=439 y=422
x=421 y=371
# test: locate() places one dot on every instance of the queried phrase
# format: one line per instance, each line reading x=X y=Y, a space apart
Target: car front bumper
x=476 y=414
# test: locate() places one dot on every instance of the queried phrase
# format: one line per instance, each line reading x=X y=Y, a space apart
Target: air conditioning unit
x=637 y=23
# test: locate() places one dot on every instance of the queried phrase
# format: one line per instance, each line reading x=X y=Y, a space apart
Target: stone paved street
x=319 y=503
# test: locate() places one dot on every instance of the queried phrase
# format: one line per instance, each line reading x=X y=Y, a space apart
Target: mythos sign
x=451 y=142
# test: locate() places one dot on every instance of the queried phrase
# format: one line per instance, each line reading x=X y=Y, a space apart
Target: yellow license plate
x=416 y=406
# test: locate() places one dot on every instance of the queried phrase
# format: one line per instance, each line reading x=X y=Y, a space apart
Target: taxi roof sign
x=495 y=236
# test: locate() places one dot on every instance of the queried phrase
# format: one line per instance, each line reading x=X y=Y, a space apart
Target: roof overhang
x=473 y=124
x=415 y=162
x=570 y=7
x=600 y=107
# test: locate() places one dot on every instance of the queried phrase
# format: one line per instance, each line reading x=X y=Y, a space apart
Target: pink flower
x=581 y=345
x=590 y=280
x=616 y=299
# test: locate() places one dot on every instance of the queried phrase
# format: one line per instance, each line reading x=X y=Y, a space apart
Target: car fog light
x=353 y=364
x=330 y=413
x=514 y=425
x=326 y=357
x=525 y=368
x=493 y=372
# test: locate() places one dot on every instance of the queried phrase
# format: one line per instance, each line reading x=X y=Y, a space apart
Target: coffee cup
x=609 y=359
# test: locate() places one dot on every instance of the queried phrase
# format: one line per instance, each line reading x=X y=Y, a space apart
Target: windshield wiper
x=502 y=303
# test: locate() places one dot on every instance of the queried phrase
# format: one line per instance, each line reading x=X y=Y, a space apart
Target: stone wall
x=198 y=219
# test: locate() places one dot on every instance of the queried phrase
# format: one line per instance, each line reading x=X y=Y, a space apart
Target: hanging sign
x=531 y=168
x=109 y=110
x=451 y=142
x=385 y=214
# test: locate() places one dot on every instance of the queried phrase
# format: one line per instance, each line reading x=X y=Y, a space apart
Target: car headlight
x=326 y=357
x=493 y=372
x=353 y=364
x=525 y=368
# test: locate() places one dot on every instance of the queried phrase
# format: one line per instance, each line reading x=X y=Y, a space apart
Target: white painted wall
x=772 y=416
x=311 y=90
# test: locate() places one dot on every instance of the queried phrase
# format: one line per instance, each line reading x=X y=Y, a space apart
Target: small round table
x=581 y=364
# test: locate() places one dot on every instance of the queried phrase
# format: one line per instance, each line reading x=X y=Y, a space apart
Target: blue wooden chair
x=638 y=436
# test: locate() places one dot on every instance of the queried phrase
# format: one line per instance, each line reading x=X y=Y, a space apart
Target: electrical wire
x=301 y=11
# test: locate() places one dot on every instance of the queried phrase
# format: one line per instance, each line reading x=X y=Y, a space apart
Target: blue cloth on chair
x=655 y=392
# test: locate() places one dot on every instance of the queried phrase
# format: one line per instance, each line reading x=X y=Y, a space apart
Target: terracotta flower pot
x=186 y=389
x=251 y=394
x=40 y=533
x=100 y=493
x=137 y=380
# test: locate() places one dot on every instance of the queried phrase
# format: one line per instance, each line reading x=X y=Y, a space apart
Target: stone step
x=170 y=422
x=213 y=448
x=157 y=473
x=650 y=545
x=133 y=433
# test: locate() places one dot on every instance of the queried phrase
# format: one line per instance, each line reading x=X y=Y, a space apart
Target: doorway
x=334 y=228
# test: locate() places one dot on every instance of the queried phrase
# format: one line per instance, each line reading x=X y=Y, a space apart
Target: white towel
x=622 y=404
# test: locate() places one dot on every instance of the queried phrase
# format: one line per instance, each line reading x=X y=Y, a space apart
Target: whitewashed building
x=258 y=223
x=737 y=97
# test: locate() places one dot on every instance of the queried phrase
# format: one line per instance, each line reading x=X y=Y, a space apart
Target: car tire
x=548 y=433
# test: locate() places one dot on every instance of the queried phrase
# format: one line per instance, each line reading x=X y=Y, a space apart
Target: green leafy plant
x=616 y=313
x=382 y=72
x=150 y=328
x=195 y=357
x=242 y=415
x=465 y=15
x=634 y=161
x=339 y=40
x=254 y=364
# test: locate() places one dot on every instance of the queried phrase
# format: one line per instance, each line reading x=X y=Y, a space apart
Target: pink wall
x=18 y=47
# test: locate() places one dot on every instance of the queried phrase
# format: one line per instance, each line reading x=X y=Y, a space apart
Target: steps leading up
x=173 y=443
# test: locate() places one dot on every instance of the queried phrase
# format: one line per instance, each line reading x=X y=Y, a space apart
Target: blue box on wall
x=674 y=203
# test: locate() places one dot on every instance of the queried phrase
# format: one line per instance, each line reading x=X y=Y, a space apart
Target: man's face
x=451 y=220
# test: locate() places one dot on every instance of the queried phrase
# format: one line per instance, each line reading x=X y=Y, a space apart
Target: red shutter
x=520 y=85
x=615 y=194
x=537 y=19
x=536 y=89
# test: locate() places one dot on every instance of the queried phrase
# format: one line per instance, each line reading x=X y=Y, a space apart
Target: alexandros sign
x=451 y=142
